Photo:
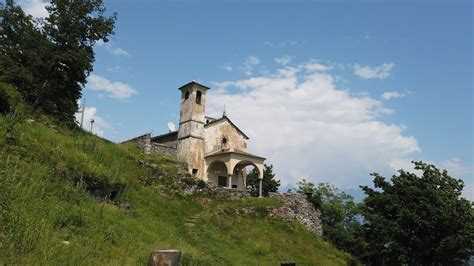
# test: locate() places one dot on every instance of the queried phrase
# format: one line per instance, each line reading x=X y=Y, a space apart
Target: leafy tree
x=49 y=60
x=24 y=50
x=340 y=216
x=305 y=186
x=269 y=184
x=418 y=220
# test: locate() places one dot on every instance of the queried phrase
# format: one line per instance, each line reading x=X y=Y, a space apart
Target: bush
x=4 y=105
x=201 y=184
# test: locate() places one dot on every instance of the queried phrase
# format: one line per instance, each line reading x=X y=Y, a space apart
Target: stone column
x=260 y=188
x=230 y=181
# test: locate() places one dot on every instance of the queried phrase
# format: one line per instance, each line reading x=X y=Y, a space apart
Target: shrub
x=4 y=105
x=201 y=184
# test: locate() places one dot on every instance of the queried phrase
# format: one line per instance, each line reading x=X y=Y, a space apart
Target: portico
x=226 y=168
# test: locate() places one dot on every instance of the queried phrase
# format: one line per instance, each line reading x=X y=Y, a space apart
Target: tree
x=305 y=186
x=49 y=60
x=269 y=184
x=340 y=216
x=23 y=50
x=418 y=220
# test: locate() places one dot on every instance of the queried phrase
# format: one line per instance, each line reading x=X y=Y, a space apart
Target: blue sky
x=370 y=85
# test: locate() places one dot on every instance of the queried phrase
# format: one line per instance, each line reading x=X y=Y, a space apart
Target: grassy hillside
x=59 y=204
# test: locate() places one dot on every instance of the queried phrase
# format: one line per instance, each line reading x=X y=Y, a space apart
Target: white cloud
x=117 y=90
x=102 y=43
x=249 y=63
x=99 y=123
x=120 y=51
x=308 y=128
x=283 y=60
x=456 y=168
x=391 y=95
x=109 y=46
x=380 y=72
x=36 y=8
x=468 y=192
x=313 y=66
x=228 y=68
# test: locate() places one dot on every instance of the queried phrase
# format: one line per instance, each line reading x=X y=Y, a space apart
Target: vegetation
x=48 y=60
x=412 y=220
x=341 y=216
x=418 y=220
x=68 y=197
x=269 y=184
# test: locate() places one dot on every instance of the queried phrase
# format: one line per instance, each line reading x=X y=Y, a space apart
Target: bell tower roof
x=193 y=83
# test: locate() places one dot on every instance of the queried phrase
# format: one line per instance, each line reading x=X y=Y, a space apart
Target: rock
x=296 y=206
x=206 y=202
x=170 y=257
x=125 y=205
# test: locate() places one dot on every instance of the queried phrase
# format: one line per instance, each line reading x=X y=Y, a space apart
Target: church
x=215 y=149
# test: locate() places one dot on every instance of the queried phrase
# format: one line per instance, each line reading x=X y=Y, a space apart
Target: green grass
x=47 y=176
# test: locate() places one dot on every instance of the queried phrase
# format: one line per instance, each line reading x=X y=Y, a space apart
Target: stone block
x=169 y=257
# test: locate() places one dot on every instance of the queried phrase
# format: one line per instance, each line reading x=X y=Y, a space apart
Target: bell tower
x=191 y=144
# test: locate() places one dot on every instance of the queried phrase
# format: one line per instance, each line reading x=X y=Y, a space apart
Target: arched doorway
x=217 y=174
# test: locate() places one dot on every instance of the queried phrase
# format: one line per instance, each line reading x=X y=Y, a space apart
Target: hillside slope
x=73 y=198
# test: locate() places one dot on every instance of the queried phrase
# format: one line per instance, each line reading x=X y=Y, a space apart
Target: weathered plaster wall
x=191 y=150
x=190 y=110
x=190 y=146
x=215 y=170
x=214 y=133
x=191 y=128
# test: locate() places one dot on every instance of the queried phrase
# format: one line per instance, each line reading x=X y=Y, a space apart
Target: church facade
x=215 y=149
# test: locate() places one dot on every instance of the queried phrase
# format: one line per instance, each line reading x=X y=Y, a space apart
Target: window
x=224 y=143
x=195 y=171
x=186 y=96
x=198 y=97
x=222 y=181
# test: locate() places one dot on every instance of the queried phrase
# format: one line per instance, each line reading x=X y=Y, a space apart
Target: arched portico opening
x=241 y=170
x=217 y=173
x=235 y=162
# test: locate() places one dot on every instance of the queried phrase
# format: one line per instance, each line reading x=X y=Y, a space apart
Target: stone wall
x=296 y=206
x=228 y=193
x=157 y=148
x=144 y=142
x=148 y=147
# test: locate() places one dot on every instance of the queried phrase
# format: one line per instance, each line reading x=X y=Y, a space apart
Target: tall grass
x=57 y=207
